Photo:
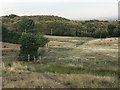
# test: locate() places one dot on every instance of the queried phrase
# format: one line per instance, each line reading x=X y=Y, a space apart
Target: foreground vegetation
x=68 y=62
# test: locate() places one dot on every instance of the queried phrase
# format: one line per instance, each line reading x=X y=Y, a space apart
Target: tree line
x=13 y=26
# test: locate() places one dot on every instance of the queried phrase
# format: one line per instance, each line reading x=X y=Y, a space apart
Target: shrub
x=30 y=44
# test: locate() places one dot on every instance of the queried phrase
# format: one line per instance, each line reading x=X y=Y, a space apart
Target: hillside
x=58 y=26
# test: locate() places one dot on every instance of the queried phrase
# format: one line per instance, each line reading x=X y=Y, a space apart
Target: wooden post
x=47 y=44
x=40 y=58
x=34 y=58
x=51 y=31
x=28 y=57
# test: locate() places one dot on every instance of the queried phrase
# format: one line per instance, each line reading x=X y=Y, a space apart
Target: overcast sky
x=72 y=9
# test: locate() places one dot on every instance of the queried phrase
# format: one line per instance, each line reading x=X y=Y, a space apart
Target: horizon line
x=77 y=18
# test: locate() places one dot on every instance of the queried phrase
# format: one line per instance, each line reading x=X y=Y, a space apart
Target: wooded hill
x=59 y=26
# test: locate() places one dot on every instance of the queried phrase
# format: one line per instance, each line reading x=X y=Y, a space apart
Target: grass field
x=68 y=62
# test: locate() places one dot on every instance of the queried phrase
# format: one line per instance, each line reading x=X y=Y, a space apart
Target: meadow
x=67 y=62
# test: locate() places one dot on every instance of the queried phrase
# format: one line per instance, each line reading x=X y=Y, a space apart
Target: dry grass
x=60 y=44
x=62 y=57
x=9 y=46
x=46 y=80
x=107 y=41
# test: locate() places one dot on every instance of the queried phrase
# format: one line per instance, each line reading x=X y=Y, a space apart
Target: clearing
x=68 y=62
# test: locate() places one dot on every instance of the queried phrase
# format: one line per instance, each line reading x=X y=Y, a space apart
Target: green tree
x=26 y=25
x=30 y=44
x=12 y=16
x=111 y=28
x=118 y=30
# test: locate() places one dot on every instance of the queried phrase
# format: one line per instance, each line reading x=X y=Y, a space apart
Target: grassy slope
x=68 y=62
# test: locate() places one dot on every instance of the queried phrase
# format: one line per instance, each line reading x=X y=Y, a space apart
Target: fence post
x=28 y=57
x=39 y=58
x=34 y=58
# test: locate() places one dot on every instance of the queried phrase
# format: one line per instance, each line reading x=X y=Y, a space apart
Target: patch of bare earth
x=109 y=41
x=9 y=46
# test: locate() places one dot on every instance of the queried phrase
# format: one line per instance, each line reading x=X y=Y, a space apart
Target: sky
x=71 y=9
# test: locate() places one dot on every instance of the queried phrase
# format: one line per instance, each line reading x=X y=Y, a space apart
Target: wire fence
x=44 y=59
x=93 y=64
x=28 y=58
x=50 y=57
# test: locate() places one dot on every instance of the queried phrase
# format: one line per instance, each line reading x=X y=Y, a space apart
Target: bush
x=30 y=44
